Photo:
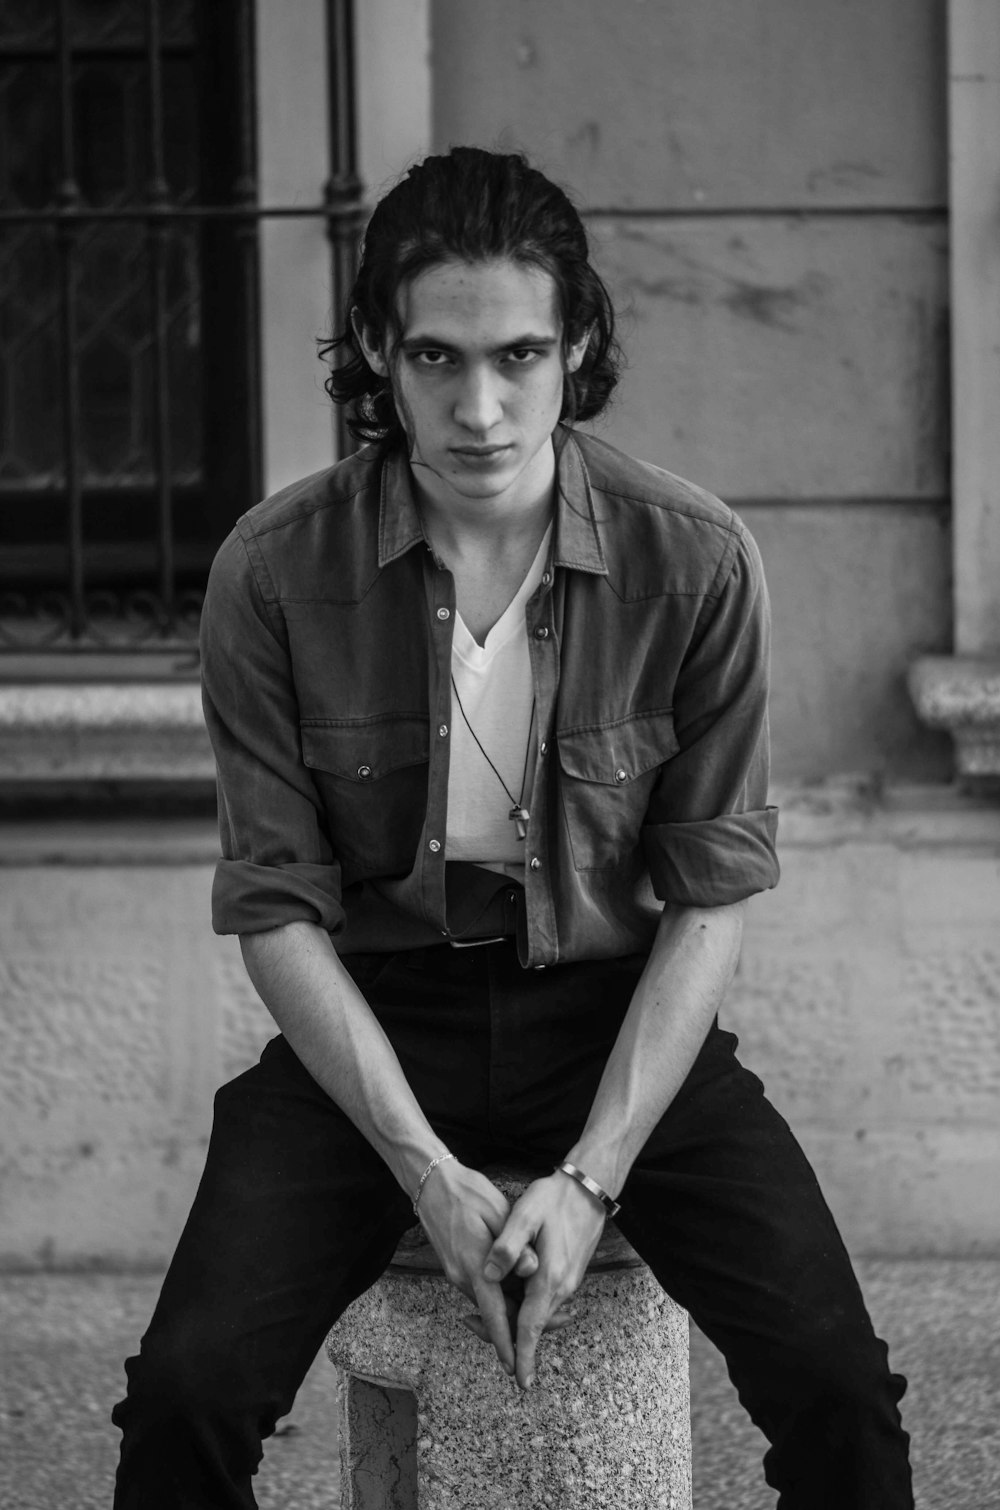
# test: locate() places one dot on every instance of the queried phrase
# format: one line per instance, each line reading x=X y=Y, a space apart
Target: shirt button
x=621 y=775
x=546 y=579
x=364 y=772
x=434 y=845
x=444 y=613
x=543 y=748
x=541 y=633
x=536 y=863
x=443 y=730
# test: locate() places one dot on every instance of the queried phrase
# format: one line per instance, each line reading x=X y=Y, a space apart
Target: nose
x=478 y=407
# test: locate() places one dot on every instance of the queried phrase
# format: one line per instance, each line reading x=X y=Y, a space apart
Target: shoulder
x=616 y=474
x=317 y=499
x=298 y=540
x=660 y=532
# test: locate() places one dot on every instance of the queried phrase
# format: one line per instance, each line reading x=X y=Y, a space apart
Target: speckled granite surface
x=63 y=1338
x=605 y=1424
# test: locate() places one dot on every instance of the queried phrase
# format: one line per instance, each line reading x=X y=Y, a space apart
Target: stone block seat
x=429 y=1421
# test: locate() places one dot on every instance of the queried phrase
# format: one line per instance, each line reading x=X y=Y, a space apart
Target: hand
x=563 y=1224
x=462 y=1213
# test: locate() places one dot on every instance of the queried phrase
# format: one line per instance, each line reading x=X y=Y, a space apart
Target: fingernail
x=508 y=1369
x=492 y=1272
x=529 y=1381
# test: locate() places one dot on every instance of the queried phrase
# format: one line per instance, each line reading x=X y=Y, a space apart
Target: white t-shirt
x=497 y=696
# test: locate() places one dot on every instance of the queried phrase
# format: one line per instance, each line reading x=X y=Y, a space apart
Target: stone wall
x=765 y=187
x=867 y=998
x=120 y=1014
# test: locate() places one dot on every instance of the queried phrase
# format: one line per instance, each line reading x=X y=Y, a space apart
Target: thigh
x=727 y=1211
x=294 y=1217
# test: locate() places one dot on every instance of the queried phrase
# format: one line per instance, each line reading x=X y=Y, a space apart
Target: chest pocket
x=607 y=775
x=371 y=775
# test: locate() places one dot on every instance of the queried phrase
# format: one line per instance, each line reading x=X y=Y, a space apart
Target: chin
x=489 y=485
x=484 y=489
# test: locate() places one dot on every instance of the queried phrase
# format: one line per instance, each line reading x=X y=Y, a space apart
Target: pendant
x=519 y=817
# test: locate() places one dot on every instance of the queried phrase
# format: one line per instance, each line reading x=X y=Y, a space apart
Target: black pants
x=296 y=1215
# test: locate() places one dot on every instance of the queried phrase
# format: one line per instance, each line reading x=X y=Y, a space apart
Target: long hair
x=471 y=206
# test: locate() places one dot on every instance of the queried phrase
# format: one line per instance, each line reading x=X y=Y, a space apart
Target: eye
x=523 y=356
x=430 y=357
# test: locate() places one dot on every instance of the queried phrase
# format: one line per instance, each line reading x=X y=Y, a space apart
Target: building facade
x=793 y=205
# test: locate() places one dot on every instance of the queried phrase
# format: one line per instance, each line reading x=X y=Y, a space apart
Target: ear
x=576 y=353
x=372 y=352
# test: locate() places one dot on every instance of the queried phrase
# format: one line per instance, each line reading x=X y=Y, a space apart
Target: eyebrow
x=434 y=343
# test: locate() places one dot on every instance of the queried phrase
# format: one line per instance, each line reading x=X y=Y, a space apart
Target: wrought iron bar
x=245 y=196
x=156 y=194
x=199 y=212
x=343 y=194
x=68 y=196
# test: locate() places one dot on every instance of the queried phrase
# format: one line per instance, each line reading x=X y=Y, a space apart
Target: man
x=489 y=706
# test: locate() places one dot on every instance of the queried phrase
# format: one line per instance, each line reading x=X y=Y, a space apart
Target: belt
x=490 y=902
x=500 y=938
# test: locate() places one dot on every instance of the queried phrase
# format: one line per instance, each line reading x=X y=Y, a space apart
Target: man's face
x=478 y=379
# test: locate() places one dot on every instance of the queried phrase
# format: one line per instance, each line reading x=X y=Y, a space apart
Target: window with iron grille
x=129 y=341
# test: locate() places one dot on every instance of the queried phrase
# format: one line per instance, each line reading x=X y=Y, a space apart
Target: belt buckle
x=476 y=943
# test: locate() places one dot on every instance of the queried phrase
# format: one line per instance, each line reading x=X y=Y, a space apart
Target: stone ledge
x=58 y=732
x=864 y=809
x=962 y=694
x=818 y=815
x=108 y=841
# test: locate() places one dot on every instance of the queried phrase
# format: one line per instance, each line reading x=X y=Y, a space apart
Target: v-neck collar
x=510 y=623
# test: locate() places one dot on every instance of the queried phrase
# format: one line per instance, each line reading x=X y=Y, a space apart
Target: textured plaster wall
x=119 y=1015
x=868 y=999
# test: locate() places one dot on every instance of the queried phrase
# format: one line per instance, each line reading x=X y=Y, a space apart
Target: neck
x=507 y=522
x=456 y=534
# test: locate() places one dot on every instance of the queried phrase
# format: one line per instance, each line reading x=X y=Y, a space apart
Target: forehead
x=480 y=303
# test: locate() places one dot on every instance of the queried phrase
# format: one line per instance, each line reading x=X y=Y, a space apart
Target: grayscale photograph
x=499 y=754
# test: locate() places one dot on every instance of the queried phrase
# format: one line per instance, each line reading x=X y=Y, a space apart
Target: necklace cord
x=516 y=801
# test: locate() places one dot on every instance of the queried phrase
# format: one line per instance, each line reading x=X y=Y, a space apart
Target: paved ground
x=62 y=1340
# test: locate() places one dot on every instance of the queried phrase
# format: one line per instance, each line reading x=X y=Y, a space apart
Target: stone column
x=961 y=693
x=430 y=1422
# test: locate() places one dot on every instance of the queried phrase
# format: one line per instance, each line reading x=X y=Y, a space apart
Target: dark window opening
x=129 y=342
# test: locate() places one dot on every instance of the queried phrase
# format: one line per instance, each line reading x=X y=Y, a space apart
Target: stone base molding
x=79 y=731
x=962 y=694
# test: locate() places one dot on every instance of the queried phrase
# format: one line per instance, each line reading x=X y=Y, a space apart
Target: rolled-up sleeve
x=277 y=864
x=709 y=836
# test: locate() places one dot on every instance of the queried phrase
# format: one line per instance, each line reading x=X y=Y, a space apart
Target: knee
x=839 y=1364
x=183 y=1373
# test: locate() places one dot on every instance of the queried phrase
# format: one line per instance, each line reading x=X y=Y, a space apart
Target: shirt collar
x=577 y=539
x=399 y=527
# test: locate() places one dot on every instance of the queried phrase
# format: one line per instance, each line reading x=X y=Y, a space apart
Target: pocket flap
x=617 y=753
x=367 y=748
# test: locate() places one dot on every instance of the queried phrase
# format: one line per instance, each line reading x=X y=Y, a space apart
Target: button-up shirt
x=326 y=653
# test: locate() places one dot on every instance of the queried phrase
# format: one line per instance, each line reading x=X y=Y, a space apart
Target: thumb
x=527 y=1263
x=510 y=1248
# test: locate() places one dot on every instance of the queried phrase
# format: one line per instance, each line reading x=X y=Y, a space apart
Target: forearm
x=334 y=1032
x=692 y=961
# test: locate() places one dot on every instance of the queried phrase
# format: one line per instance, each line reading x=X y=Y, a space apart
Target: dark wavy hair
x=471 y=206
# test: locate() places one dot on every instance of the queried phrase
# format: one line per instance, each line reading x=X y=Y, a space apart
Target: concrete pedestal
x=430 y=1422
